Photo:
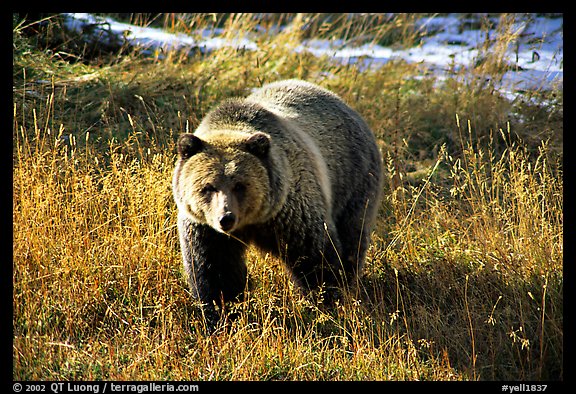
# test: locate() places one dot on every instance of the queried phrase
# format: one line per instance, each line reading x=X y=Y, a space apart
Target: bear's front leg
x=214 y=264
x=315 y=261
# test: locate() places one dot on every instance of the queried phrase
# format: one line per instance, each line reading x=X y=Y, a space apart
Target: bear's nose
x=227 y=221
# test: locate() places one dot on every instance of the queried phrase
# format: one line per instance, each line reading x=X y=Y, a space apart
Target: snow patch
x=450 y=44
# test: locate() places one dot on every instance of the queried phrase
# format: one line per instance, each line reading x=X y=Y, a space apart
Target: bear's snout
x=227 y=221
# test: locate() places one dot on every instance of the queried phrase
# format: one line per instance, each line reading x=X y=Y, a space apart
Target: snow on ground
x=148 y=39
x=535 y=58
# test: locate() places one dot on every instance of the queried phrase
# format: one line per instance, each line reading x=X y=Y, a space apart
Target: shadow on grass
x=492 y=325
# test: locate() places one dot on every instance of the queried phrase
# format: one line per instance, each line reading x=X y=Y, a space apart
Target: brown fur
x=290 y=168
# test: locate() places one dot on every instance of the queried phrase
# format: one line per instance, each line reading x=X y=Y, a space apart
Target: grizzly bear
x=291 y=169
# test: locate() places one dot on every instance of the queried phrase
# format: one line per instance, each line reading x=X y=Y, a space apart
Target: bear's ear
x=258 y=144
x=188 y=145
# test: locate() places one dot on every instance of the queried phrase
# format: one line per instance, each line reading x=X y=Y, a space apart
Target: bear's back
x=321 y=113
x=292 y=98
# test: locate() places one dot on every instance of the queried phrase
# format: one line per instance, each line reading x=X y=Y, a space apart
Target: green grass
x=464 y=277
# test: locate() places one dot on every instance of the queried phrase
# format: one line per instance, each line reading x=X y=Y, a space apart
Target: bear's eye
x=239 y=191
x=208 y=189
x=239 y=188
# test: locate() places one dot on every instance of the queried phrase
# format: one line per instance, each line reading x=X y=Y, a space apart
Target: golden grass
x=464 y=276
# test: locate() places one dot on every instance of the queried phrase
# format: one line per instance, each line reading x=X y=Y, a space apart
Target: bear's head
x=222 y=179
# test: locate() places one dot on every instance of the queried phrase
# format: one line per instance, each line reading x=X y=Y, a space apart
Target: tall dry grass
x=98 y=289
x=464 y=276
